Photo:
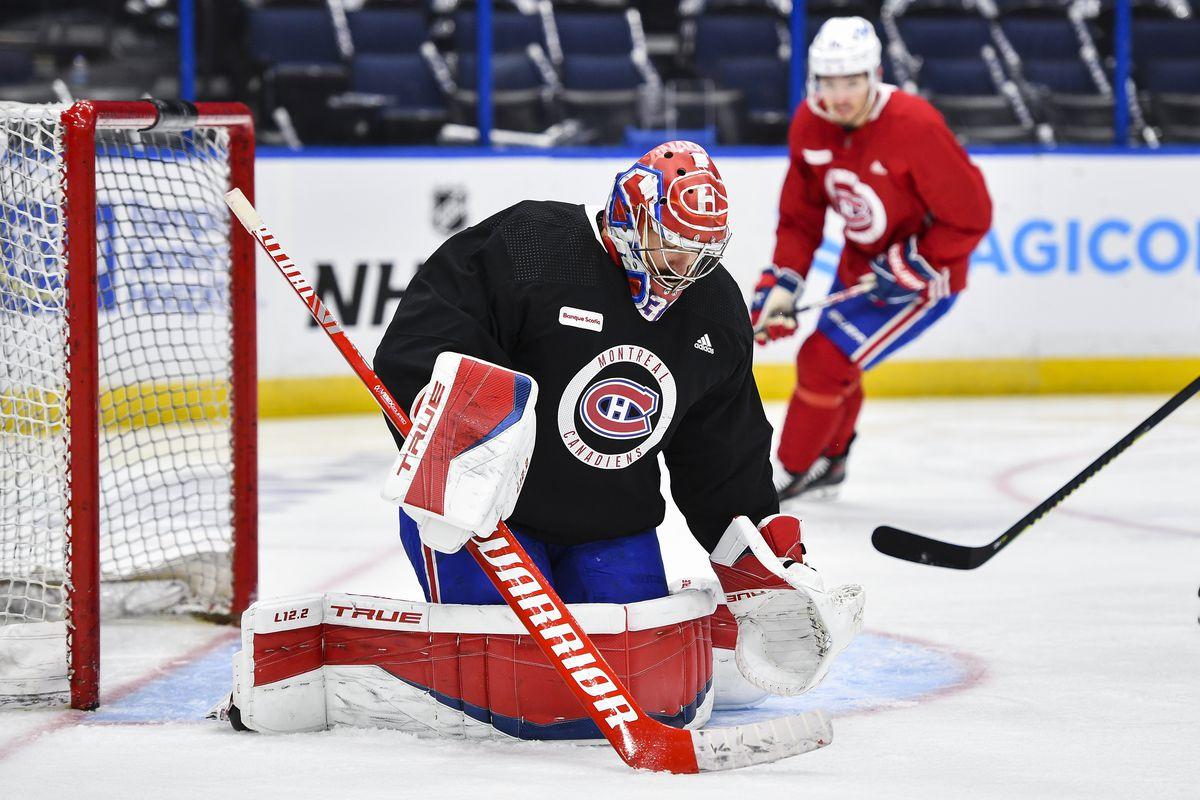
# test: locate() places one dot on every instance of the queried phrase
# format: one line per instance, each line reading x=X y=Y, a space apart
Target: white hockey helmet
x=845 y=46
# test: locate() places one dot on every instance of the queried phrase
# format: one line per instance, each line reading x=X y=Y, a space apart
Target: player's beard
x=860 y=116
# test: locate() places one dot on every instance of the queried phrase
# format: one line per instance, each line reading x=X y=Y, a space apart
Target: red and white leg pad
x=312 y=662
x=789 y=627
x=462 y=466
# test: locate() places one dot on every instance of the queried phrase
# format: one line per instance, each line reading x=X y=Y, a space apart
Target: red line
x=974 y=666
x=337 y=582
x=1004 y=483
x=70 y=718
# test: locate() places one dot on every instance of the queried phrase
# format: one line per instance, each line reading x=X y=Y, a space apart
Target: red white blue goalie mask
x=667 y=222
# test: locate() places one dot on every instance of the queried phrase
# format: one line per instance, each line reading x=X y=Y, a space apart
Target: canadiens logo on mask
x=666 y=222
x=617 y=408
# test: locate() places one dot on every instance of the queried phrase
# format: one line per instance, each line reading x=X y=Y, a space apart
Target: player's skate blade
x=822 y=481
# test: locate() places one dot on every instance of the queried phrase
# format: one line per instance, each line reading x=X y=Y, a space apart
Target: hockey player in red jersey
x=914 y=208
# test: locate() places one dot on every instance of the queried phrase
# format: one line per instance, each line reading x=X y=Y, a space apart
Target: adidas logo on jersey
x=705 y=344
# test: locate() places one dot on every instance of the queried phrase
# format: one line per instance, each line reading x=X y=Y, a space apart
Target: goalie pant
x=316 y=661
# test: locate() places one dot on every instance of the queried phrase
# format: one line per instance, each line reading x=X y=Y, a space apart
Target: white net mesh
x=165 y=344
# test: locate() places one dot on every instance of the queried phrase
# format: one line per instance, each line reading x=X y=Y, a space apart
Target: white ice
x=1075 y=653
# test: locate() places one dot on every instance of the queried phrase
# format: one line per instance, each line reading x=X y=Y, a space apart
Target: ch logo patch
x=859 y=205
x=617 y=408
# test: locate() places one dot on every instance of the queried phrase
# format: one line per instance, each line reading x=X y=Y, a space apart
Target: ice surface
x=1067 y=667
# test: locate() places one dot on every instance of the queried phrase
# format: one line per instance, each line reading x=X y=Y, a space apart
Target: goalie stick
x=641 y=741
x=923 y=550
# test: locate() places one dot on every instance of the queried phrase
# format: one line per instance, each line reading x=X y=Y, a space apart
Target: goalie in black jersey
x=549 y=356
x=569 y=347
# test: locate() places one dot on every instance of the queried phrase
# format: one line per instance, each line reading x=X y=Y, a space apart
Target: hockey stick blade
x=640 y=740
x=910 y=546
x=923 y=550
x=761 y=742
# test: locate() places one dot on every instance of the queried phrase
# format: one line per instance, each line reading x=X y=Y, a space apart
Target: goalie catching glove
x=461 y=468
x=789 y=627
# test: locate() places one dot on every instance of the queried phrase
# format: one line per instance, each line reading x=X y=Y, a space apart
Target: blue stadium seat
x=945 y=37
x=510 y=72
x=407 y=79
x=387 y=30
x=1061 y=75
x=1041 y=38
x=293 y=36
x=512 y=31
x=588 y=33
x=1165 y=38
x=16 y=65
x=956 y=76
x=1174 y=75
x=1043 y=7
x=600 y=73
x=519 y=92
x=601 y=91
x=1173 y=95
x=763 y=82
x=719 y=37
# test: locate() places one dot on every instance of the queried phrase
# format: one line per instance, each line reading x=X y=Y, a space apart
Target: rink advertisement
x=1088 y=280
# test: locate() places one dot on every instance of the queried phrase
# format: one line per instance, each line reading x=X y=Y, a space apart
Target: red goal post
x=128 y=409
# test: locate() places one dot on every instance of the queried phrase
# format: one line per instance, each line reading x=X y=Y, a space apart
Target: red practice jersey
x=902 y=173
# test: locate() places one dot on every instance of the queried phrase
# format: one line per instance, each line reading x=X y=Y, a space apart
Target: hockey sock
x=825 y=379
x=844 y=432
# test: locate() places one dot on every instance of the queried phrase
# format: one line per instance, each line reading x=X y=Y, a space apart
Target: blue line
x=483 y=59
x=187 y=50
x=1122 y=25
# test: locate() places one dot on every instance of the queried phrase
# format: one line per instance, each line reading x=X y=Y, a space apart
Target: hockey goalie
x=551 y=355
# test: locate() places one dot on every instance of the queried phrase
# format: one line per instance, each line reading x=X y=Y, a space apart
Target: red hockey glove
x=773 y=307
x=902 y=275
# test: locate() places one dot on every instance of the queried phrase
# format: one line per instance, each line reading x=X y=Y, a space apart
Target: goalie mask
x=667 y=222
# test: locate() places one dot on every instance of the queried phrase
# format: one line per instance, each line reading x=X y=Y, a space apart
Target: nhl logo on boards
x=704 y=343
x=617 y=408
x=449 y=209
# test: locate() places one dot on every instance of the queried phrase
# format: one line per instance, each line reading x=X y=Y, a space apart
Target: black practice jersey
x=533 y=289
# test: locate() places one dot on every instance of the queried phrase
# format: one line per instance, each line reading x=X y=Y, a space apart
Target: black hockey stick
x=923 y=550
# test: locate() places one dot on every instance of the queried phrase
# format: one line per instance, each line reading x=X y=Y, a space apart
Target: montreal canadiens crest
x=617 y=408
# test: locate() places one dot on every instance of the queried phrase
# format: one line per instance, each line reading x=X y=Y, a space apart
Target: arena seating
x=1167 y=58
x=380 y=71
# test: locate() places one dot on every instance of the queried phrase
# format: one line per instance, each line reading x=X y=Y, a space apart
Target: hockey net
x=127 y=387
